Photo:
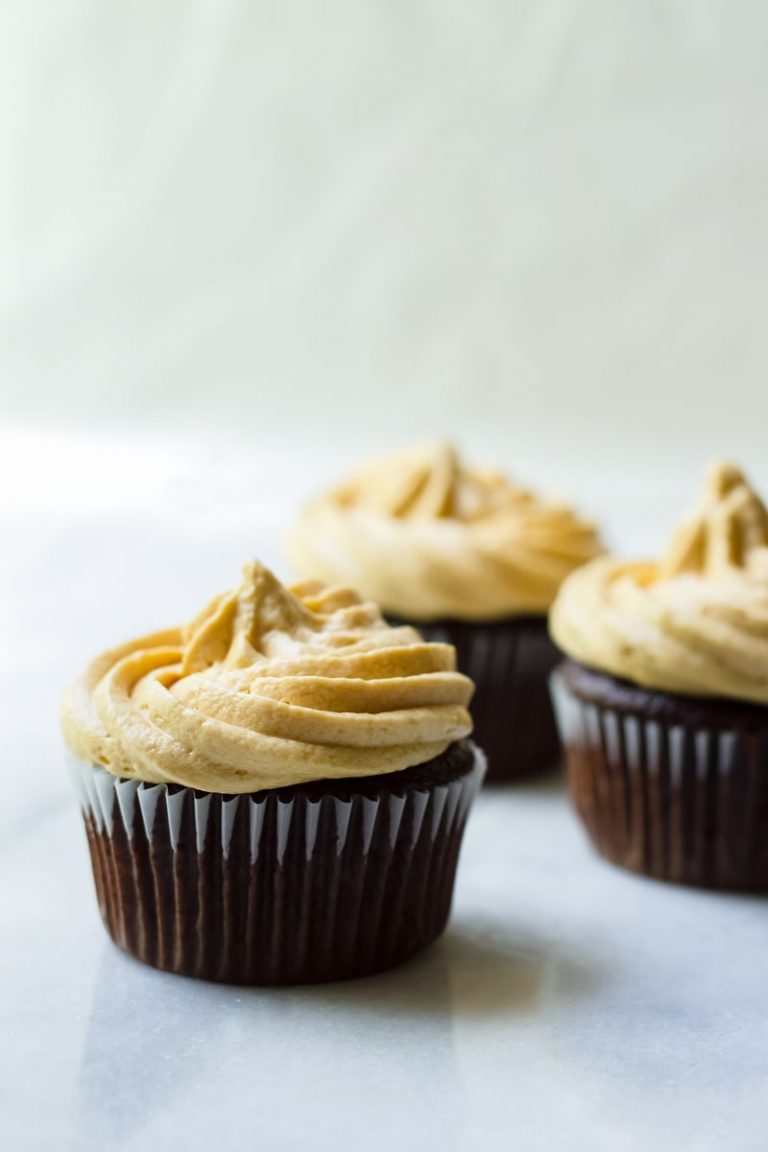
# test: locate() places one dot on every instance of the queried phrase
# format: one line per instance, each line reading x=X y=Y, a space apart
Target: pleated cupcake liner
x=510 y=662
x=668 y=797
x=279 y=887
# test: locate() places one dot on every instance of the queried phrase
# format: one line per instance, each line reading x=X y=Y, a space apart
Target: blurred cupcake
x=663 y=704
x=275 y=793
x=468 y=558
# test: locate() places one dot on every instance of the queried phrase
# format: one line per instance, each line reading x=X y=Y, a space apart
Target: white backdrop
x=540 y=226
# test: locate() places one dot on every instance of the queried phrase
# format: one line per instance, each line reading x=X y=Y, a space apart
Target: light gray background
x=540 y=225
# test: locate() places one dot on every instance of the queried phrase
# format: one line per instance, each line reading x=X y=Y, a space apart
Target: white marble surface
x=568 y=1007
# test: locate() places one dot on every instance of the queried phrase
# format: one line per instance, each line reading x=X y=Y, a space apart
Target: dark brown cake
x=510 y=662
x=673 y=787
x=315 y=882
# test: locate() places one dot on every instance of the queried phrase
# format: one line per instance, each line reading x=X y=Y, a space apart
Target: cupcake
x=663 y=700
x=275 y=793
x=468 y=558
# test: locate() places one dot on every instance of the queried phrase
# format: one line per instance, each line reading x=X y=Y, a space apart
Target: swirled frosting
x=696 y=622
x=269 y=686
x=428 y=538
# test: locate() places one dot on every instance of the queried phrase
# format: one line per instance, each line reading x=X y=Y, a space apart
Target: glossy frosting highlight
x=429 y=538
x=269 y=686
x=696 y=622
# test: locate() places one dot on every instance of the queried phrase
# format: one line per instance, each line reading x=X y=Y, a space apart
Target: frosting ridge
x=428 y=537
x=696 y=621
x=269 y=686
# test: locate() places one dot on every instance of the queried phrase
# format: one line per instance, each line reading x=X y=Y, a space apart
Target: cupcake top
x=269 y=686
x=695 y=622
x=428 y=538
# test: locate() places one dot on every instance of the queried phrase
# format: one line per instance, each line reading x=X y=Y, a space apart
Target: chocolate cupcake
x=470 y=559
x=663 y=702
x=275 y=793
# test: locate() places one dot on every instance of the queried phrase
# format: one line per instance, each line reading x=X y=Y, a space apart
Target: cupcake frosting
x=695 y=622
x=429 y=538
x=269 y=686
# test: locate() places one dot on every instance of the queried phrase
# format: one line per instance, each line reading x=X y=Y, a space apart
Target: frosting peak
x=427 y=485
x=269 y=686
x=428 y=537
x=728 y=529
x=696 y=622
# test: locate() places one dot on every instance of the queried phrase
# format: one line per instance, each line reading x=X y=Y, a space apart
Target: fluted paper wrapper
x=510 y=662
x=280 y=887
x=666 y=794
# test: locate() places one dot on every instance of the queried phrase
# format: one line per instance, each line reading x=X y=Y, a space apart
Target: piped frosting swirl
x=429 y=538
x=695 y=622
x=269 y=686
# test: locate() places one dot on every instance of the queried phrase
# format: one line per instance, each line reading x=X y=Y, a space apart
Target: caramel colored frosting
x=269 y=686
x=696 y=622
x=428 y=538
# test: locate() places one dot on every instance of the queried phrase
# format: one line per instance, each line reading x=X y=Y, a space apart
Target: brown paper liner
x=510 y=662
x=666 y=786
x=305 y=884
